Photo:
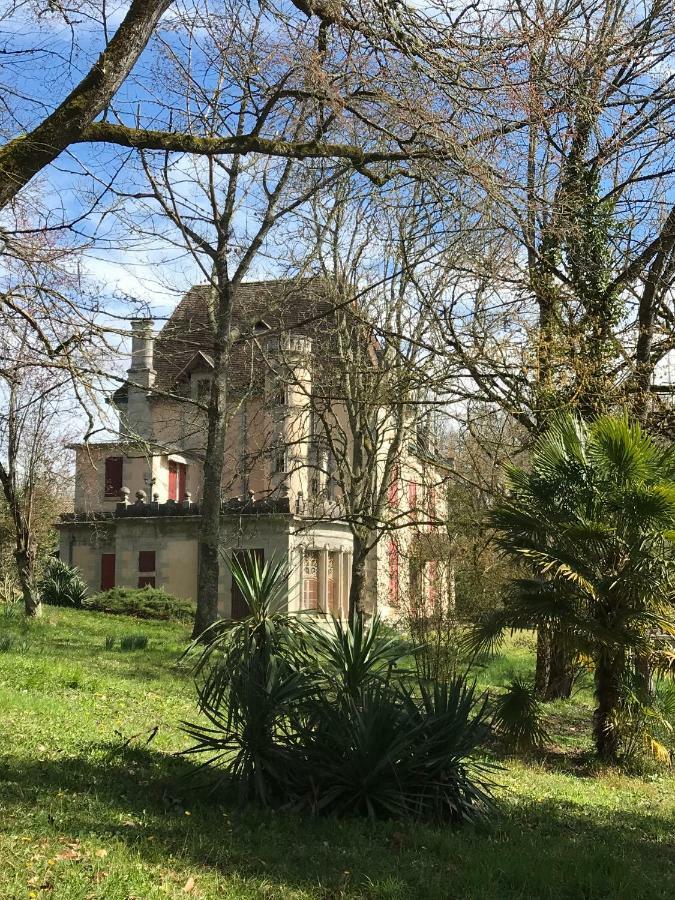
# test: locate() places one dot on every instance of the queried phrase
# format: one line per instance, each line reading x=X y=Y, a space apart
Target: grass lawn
x=89 y=809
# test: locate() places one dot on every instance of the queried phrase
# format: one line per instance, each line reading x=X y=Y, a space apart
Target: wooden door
x=173 y=481
x=239 y=604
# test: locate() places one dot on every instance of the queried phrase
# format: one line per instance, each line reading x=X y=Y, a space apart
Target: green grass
x=90 y=809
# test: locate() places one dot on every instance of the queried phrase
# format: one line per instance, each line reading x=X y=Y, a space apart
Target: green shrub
x=518 y=718
x=328 y=720
x=133 y=642
x=62 y=585
x=143 y=603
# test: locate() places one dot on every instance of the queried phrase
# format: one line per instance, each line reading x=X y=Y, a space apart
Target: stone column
x=323 y=579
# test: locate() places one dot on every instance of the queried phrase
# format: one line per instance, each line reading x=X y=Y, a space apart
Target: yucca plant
x=518 y=718
x=352 y=656
x=62 y=585
x=325 y=719
x=392 y=755
x=250 y=679
x=593 y=519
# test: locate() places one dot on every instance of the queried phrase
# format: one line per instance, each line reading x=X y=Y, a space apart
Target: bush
x=62 y=585
x=329 y=721
x=143 y=603
x=518 y=718
x=133 y=642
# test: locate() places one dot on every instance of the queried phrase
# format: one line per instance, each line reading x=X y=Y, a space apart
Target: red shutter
x=113 y=476
x=146 y=581
x=182 y=473
x=412 y=497
x=107 y=571
x=173 y=471
x=146 y=561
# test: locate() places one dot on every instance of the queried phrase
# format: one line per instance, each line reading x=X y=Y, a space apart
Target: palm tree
x=593 y=521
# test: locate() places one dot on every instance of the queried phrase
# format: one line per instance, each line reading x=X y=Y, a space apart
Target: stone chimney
x=141 y=370
x=141 y=376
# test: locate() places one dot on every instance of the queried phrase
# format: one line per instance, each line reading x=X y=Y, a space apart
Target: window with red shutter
x=113 y=476
x=173 y=479
x=146 y=561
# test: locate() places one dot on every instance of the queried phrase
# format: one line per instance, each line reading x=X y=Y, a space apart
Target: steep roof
x=301 y=306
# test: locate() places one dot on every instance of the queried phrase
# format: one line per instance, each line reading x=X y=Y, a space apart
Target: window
x=113 y=476
x=177 y=479
x=146 y=561
x=107 y=571
x=279 y=395
x=412 y=496
x=203 y=390
x=310 y=580
x=146 y=568
x=279 y=460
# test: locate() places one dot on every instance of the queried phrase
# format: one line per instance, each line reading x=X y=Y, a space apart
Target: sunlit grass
x=90 y=809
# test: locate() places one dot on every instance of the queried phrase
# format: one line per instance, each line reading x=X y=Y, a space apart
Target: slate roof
x=185 y=343
x=301 y=307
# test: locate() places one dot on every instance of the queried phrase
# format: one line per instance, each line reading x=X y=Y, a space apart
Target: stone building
x=136 y=510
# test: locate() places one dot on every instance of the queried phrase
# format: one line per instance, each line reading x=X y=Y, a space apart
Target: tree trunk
x=357 y=588
x=608 y=671
x=543 y=666
x=559 y=684
x=209 y=527
x=25 y=568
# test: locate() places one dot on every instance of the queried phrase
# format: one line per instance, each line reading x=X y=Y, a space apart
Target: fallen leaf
x=69 y=854
x=189 y=885
x=101 y=853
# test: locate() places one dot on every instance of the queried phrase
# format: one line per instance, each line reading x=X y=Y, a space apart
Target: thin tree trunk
x=209 y=527
x=357 y=588
x=608 y=672
x=543 y=665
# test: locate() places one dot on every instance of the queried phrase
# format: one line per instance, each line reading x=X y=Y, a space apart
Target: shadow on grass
x=141 y=798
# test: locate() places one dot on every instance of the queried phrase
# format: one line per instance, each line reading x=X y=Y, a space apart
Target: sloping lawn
x=93 y=803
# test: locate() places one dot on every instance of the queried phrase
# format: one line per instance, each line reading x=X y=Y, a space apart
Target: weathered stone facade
x=136 y=515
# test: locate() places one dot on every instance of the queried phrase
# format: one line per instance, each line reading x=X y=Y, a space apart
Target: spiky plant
x=62 y=585
x=249 y=681
x=518 y=717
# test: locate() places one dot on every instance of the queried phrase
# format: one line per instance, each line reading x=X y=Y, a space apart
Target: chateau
x=137 y=498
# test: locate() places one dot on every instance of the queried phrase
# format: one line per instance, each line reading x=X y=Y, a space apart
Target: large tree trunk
x=25 y=565
x=25 y=156
x=608 y=672
x=560 y=676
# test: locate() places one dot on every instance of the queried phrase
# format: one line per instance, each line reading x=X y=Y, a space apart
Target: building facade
x=136 y=512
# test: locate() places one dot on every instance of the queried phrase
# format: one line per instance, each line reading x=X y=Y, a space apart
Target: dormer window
x=202 y=390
